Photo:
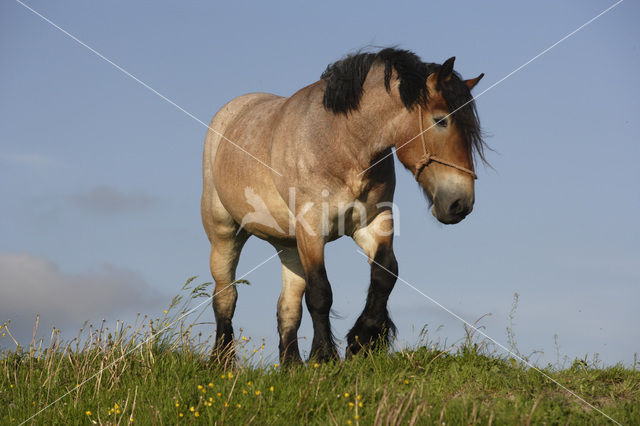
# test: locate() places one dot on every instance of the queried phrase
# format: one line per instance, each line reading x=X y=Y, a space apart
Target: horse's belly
x=255 y=205
x=262 y=215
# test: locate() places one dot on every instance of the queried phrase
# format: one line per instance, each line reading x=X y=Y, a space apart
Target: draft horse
x=301 y=171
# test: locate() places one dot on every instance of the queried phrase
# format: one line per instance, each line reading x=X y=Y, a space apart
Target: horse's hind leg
x=226 y=246
x=290 y=305
x=374 y=324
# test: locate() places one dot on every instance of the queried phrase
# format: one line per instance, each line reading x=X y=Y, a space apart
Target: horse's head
x=441 y=157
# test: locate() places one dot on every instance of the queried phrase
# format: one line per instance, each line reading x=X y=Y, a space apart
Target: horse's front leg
x=374 y=325
x=318 y=295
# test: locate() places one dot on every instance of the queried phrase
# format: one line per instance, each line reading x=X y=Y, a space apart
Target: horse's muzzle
x=451 y=207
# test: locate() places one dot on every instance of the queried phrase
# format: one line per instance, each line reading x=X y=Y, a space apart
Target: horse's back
x=226 y=115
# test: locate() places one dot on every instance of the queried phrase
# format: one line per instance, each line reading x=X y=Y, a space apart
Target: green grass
x=170 y=380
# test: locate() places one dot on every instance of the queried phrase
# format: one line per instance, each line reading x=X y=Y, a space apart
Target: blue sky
x=100 y=179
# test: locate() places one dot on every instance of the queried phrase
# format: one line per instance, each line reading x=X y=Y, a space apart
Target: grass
x=170 y=380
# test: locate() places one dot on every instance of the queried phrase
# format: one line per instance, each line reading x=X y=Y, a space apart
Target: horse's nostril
x=456 y=207
x=452 y=207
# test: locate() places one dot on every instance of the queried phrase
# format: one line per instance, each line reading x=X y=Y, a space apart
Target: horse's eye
x=440 y=121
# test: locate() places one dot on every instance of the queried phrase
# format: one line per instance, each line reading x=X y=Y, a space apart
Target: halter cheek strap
x=429 y=158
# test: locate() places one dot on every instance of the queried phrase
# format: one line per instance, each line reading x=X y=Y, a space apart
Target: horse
x=305 y=170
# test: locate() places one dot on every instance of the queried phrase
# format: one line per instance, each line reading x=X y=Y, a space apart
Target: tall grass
x=158 y=371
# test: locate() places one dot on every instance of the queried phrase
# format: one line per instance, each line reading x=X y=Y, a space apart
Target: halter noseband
x=429 y=158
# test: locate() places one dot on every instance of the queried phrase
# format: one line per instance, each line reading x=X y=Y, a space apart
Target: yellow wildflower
x=192 y=409
x=226 y=404
x=346 y=395
x=257 y=392
x=196 y=414
x=181 y=414
x=239 y=405
x=165 y=311
x=177 y=404
x=244 y=338
x=359 y=404
x=275 y=365
x=316 y=365
x=218 y=394
x=210 y=384
x=88 y=413
x=271 y=388
x=199 y=387
x=230 y=375
x=351 y=405
x=406 y=382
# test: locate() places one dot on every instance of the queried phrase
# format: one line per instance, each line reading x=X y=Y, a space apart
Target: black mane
x=345 y=79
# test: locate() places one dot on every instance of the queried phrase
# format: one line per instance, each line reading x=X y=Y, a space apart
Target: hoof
x=323 y=355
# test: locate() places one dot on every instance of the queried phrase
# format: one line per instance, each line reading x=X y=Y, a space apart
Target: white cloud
x=30 y=285
x=30 y=160
x=106 y=200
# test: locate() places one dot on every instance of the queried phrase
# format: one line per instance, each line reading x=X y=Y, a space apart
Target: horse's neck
x=371 y=130
x=350 y=142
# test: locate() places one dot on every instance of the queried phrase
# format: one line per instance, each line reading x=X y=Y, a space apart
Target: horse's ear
x=445 y=71
x=471 y=83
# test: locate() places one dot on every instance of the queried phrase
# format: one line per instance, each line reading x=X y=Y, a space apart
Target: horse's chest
x=345 y=217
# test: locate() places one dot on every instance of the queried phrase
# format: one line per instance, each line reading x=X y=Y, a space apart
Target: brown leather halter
x=429 y=158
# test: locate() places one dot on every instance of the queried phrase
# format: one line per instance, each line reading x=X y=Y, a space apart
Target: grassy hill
x=144 y=375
